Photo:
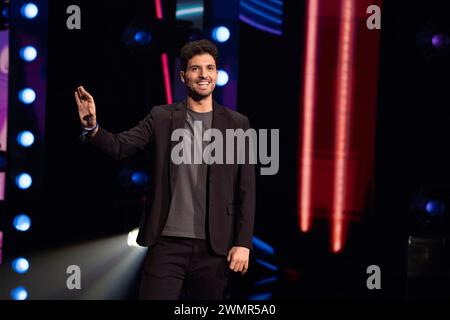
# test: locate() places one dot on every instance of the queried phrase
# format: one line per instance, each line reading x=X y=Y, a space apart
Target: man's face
x=200 y=75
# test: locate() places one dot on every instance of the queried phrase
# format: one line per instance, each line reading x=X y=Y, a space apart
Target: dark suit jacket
x=231 y=187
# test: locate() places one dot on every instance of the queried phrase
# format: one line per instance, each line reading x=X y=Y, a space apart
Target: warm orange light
x=343 y=112
x=308 y=117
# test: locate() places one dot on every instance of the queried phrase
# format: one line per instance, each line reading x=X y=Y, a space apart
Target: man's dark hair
x=194 y=48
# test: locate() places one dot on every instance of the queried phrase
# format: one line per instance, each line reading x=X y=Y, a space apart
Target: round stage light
x=20 y=265
x=27 y=96
x=142 y=37
x=222 y=78
x=24 y=181
x=221 y=34
x=22 y=222
x=434 y=207
x=19 y=293
x=28 y=53
x=29 y=10
x=139 y=178
x=25 y=138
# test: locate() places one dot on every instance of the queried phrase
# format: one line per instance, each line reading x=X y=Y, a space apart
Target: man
x=198 y=222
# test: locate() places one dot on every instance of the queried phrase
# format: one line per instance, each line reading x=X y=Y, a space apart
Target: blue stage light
x=20 y=265
x=222 y=78
x=22 y=222
x=142 y=37
x=29 y=10
x=434 y=207
x=19 y=293
x=25 y=138
x=28 y=53
x=139 y=178
x=263 y=246
x=24 y=181
x=27 y=95
x=221 y=34
x=261 y=296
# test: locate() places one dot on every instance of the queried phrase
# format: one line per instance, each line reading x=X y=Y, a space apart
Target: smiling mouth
x=203 y=84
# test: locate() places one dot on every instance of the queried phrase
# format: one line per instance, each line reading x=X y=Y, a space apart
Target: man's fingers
x=232 y=264
x=236 y=265
x=77 y=99
x=244 y=270
x=239 y=267
x=84 y=92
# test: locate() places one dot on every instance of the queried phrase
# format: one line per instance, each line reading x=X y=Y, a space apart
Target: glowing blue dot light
x=19 y=293
x=434 y=208
x=25 y=138
x=139 y=178
x=222 y=78
x=29 y=10
x=20 y=265
x=142 y=37
x=28 y=53
x=27 y=96
x=221 y=34
x=24 y=181
x=22 y=222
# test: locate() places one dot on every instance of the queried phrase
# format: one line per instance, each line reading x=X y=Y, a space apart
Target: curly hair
x=194 y=48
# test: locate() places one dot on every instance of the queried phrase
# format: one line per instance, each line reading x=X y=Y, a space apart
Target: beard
x=199 y=95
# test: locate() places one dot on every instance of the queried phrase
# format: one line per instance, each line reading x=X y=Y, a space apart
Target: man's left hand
x=238 y=258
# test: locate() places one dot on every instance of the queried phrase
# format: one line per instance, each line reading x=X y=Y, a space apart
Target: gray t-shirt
x=187 y=213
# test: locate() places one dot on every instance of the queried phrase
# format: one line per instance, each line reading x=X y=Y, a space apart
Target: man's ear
x=182 y=76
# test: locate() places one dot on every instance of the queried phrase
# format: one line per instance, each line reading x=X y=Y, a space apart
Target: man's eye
x=194 y=69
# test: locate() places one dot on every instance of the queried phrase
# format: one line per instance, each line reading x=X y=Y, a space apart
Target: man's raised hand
x=86 y=108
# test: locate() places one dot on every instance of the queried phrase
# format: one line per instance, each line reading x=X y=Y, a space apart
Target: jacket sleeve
x=246 y=194
x=127 y=143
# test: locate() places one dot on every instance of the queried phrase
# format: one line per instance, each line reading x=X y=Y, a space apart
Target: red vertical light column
x=164 y=58
x=342 y=124
x=309 y=92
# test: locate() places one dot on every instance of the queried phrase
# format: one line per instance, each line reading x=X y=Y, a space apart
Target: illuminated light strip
x=266 y=280
x=260 y=13
x=158 y=7
x=190 y=11
x=343 y=108
x=259 y=26
x=168 y=87
x=263 y=5
x=266 y=264
x=277 y=2
x=263 y=246
x=261 y=296
x=305 y=172
x=164 y=59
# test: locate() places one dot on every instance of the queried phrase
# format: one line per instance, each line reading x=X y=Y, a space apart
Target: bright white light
x=27 y=96
x=25 y=138
x=222 y=78
x=20 y=265
x=30 y=10
x=221 y=34
x=22 y=222
x=28 y=53
x=132 y=238
x=24 y=181
x=19 y=293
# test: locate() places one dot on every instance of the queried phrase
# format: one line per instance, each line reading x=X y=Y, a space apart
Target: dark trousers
x=183 y=268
